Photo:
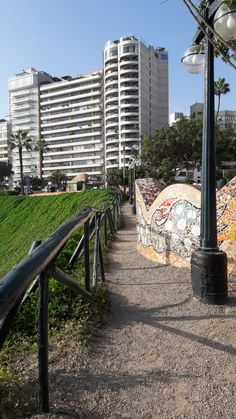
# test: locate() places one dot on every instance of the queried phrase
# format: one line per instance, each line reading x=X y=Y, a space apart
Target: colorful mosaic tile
x=173 y=226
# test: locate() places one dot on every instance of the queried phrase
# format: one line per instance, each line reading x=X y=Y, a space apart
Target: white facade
x=135 y=96
x=4 y=138
x=227 y=119
x=175 y=117
x=24 y=114
x=71 y=113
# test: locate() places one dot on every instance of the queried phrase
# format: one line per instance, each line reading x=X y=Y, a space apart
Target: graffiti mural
x=168 y=228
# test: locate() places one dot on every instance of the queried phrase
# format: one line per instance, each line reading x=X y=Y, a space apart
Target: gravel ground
x=161 y=354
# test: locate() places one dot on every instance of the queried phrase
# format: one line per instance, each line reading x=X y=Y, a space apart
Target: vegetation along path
x=161 y=353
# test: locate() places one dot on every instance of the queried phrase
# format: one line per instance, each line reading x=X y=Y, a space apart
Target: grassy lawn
x=25 y=219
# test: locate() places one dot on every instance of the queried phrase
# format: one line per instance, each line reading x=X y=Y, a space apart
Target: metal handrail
x=40 y=265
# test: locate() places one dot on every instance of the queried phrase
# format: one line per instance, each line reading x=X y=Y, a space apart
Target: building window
x=132 y=48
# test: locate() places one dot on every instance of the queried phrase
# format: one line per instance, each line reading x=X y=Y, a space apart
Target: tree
x=5 y=170
x=42 y=147
x=221 y=88
x=225 y=145
x=180 y=146
x=57 y=177
x=115 y=177
x=177 y=146
x=20 y=139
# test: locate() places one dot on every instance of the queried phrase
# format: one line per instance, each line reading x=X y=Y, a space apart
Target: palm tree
x=42 y=147
x=221 y=88
x=20 y=139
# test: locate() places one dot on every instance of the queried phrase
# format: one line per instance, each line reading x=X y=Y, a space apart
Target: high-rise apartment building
x=4 y=141
x=135 y=96
x=71 y=112
x=90 y=122
x=24 y=114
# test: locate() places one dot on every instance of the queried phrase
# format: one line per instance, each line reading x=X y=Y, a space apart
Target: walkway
x=161 y=354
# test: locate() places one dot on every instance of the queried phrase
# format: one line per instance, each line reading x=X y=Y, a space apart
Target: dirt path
x=161 y=354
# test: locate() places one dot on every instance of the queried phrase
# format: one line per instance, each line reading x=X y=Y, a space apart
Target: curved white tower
x=135 y=96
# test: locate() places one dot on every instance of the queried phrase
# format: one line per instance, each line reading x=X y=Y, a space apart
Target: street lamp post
x=208 y=263
x=124 y=188
x=130 y=184
x=134 y=203
x=134 y=155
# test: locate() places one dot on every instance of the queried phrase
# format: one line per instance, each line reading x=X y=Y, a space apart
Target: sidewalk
x=162 y=354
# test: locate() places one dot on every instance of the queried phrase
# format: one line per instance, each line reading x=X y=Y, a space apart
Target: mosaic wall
x=168 y=221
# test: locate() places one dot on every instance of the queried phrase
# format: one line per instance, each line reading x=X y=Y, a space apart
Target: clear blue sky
x=67 y=37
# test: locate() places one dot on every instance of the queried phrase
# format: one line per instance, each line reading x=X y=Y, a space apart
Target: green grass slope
x=25 y=219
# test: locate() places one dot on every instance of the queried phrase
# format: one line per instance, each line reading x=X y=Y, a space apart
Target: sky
x=67 y=37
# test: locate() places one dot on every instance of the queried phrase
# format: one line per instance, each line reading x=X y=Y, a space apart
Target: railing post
x=80 y=246
x=86 y=255
x=111 y=223
x=101 y=262
x=96 y=250
x=114 y=215
x=118 y=205
x=43 y=343
x=105 y=228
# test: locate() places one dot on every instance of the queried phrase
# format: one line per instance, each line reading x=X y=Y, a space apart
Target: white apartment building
x=4 y=141
x=24 y=114
x=135 y=96
x=71 y=113
x=175 y=117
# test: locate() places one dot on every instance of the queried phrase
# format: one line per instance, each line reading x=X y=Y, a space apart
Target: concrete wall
x=168 y=222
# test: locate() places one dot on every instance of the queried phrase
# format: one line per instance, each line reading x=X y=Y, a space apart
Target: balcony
x=110 y=113
x=129 y=85
x=110 y=125
x=127 y=68
x=25 y=99
x=111 y=90
x=110 y=147
x=111 y=75
x=129 y=75
x=128 y=102
x=129 y=129
x=126 y=92
x=112 y=140
x=112 y=158
x=69 y=121
x=126 y=56
x=130 y=120
x=112 y=101
x=110 y=66
x=68 y=98
x=128 y=111
x=111 y=59
x=67 y=89
x=111 y=84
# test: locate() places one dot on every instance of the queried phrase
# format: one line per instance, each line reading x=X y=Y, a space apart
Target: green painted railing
x=40 y=265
